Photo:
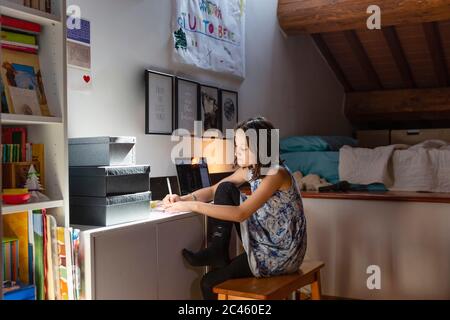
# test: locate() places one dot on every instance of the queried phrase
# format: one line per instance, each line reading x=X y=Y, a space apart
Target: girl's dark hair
x=258 y=124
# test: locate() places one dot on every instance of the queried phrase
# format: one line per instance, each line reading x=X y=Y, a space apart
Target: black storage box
x=103 y=212
x=102 y=151
x=108 y=181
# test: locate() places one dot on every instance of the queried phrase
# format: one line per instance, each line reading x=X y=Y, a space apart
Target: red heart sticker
x=87 y=79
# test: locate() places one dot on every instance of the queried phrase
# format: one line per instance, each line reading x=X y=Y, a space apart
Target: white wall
x=287 y=79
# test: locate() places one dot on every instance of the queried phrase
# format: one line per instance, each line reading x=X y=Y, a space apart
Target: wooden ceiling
x=411 y=52
x=396 y=57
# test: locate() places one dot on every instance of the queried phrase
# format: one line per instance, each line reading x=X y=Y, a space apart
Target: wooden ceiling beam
x=391 y=36
x=321 y=16
x=363 y=59
x=433 y=37
x=334 y=65
x=398 y=105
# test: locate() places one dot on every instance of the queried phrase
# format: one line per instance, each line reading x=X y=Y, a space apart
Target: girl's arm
x=207 y=194
x=269 y=185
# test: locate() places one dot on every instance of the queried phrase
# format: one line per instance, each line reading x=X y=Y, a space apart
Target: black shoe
x=216 y=254
x=207 y=257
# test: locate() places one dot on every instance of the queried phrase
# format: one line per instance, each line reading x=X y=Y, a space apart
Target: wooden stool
x=276 y=288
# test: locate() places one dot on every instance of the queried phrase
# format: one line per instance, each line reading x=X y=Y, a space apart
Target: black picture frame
x=149 y=104
x=229 y=121
x=213 y=119
x=178 y=107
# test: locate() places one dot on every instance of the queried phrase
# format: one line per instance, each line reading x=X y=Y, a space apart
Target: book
x=10 y=247
x=48 y=6
x=18 y=136
x=24 y=88
x=13 y=44
x=52 y=260
x=62 y=262
x=38 y=234
x=19 y=48
x=76 y=263
x=17 y=226
x=38 y=155
x=24 y=292
x=4 y=101
x=19 y=25
x=35 y=4
x=17 y=37
x=69 y=262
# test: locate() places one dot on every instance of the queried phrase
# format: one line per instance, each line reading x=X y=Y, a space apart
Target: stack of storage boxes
x=106 y=185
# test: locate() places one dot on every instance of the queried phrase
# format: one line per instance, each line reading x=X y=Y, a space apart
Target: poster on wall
x=187 y=103
x=210 y=34
x=210 y=108
x=229 y=105
x=159 y=103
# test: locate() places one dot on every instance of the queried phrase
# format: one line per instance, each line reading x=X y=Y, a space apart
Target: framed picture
x=210 y=110
x=187 y=104
x=229 y=102
x=159 y=103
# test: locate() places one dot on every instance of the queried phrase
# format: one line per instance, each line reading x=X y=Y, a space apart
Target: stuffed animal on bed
x=311 y=182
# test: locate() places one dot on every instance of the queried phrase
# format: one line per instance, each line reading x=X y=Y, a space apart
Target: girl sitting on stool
x=270 y=222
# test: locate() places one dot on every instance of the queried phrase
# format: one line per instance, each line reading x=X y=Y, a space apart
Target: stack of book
x=21 y=84
x=18 y=156
x=41 y=256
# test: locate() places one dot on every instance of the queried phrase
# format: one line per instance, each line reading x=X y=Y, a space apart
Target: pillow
x=323 y=164
x=303 y=144
x=315 y=143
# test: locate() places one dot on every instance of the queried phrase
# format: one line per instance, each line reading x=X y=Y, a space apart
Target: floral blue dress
x=274 y=237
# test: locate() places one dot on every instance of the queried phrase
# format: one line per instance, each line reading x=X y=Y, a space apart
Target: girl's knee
x=227 y=194
x=226 y=187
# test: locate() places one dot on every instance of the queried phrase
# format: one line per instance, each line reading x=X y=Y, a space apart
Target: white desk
x=142 y=260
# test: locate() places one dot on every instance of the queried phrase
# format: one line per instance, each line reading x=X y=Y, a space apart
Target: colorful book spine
x=38 y=227
x=10 y=248
x=19 y=38
x=17 y=226
x=62 y=264
x=16 y=136
x=18 y=24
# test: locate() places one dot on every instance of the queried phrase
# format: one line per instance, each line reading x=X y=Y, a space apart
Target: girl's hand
x=182 y=206
x=171 y=199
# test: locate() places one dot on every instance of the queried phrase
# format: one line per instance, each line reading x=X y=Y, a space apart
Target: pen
x=168 y=186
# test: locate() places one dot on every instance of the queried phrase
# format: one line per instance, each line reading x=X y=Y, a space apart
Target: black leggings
x=226 y=194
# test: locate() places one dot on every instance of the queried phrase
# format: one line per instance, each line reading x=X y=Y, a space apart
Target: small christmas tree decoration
x=34 y=186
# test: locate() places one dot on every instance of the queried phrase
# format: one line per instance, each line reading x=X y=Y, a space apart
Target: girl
x=270 y=222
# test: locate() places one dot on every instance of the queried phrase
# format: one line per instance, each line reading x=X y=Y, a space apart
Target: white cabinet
x=142 y=260
x=176 y=279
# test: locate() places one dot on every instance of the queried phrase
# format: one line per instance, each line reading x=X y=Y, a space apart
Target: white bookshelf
x=50 y=131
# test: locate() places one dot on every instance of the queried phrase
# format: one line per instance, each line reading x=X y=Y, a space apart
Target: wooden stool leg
x=223 y=297
x=316 y=290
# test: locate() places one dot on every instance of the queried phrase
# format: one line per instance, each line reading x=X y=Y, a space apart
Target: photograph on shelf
x=159 y=103
x=229 y=101
x=187 y=104
x=210 y=108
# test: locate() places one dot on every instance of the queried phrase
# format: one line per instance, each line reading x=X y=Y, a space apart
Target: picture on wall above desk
x=159 y=103
x=229 y=101
x=187 y=105
x=210 y=109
